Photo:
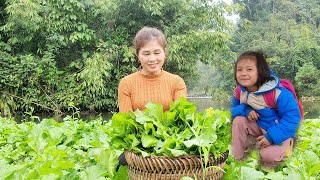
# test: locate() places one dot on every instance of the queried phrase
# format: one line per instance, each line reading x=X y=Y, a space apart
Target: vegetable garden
x=78 y=149
x=59 y=56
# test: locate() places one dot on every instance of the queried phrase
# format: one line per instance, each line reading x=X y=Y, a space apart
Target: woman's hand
x=263 y=142
x=253 y=116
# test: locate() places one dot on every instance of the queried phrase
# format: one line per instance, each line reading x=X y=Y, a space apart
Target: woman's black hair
x=261 y=63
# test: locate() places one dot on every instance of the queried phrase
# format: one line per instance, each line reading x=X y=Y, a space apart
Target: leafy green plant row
x=76 y=149
x=73 y=149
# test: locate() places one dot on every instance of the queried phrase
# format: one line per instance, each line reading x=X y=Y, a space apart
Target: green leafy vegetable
x=49 y=150
x=179 y=131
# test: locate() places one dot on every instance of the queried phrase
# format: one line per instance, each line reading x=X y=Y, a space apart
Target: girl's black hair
x=261 y=63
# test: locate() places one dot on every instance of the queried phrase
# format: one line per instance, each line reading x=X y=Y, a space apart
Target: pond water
x=312 y=109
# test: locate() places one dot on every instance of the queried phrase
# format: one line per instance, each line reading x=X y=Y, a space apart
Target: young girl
x=151 y=83
x=274 y=129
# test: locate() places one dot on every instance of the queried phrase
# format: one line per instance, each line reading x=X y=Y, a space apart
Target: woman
x=150 y=83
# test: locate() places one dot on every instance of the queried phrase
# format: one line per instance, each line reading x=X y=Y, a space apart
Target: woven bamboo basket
x=173 y=168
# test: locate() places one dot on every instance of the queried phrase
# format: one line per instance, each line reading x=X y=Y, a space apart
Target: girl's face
x=151 y=57
x=247 y=74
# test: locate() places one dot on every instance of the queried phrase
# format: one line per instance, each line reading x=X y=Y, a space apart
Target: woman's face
x=247 y=74
x=151 y=57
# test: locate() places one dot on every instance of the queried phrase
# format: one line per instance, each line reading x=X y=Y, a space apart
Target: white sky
x=227 y=1
x=233 y=18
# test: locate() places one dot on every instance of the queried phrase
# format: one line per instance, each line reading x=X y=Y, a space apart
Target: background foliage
x=54 y=53
x=57 y=52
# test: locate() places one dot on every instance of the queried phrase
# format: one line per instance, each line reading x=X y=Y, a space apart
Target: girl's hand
x=263 y=142
x=253 y=116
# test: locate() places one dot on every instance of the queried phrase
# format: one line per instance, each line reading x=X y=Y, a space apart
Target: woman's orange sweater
x=137 y=89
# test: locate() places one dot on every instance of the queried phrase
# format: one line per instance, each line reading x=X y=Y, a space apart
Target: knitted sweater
x=137 y=89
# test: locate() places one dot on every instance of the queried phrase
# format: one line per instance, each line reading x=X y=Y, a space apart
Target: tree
x=287 y=32
x=57 y=52
x=196 y=30
x=307 y=80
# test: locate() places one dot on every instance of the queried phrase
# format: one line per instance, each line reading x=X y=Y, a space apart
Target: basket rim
x=175 y=157
x=171 y=163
